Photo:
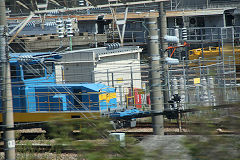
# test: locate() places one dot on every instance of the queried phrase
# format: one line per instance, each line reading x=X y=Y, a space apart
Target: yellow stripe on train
x=48 y=116
x=107 y=97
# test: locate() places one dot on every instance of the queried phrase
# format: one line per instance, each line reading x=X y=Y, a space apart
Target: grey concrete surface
x=168 y=147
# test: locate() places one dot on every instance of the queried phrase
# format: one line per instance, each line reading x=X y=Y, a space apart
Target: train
x=38 y=98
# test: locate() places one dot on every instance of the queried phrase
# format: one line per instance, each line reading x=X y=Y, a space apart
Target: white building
x=119 y=68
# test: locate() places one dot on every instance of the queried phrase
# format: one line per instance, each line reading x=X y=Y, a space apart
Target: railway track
x=142 y=129
x=41 y=148
x=140 y=132
x=174 y=124
x=166 y=125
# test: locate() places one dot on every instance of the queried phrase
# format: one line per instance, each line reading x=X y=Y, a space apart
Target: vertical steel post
x=6 y=89
x=197 y=91
x=121 y=96
x=112 y=80
x=169 y=75
x=224 y=20
x=95 y=39
x=185 y=80
x=164 y=53
x=203 y=59
x=157 y=104
x=132 y=88
x=234 y=63
x=223 y=62
x=200 y=66
x=107 y=77
x=70 y=43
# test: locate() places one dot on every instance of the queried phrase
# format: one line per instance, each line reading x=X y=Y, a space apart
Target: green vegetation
x=26 y=151
x=217 y=136
x=90 y=139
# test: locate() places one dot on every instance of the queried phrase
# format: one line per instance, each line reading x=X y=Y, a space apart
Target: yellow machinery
x=210 y=54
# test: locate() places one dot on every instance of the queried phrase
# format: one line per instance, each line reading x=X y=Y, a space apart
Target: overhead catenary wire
x=56 y=91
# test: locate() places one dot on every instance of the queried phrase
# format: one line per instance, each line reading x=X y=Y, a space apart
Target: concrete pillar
x=157 y=103
x=6 y=89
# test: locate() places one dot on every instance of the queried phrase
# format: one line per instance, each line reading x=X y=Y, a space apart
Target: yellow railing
x=49 y=104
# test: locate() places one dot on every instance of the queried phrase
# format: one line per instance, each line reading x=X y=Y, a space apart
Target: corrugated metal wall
x=191 y=3
x=202 y=3
x=77 y=56
x=78 y=72
x=78 y=67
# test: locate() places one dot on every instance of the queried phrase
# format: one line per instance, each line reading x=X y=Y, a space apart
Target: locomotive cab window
x=33 y=71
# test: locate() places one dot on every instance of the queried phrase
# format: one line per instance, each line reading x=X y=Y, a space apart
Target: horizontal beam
x=100 y=6
x=199 y=12
x=21 y=27
x=131 y=15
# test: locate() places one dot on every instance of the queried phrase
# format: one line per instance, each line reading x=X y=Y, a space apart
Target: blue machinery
x=37 y=97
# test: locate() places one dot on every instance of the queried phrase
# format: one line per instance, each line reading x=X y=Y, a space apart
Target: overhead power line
x=100 y=6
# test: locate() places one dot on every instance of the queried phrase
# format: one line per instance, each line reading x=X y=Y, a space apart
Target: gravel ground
x=148 y=130
x=43 y=156
x=166 y=147
x=32 y=130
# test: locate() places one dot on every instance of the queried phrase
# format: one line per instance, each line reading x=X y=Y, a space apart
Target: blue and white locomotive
x=38 y=98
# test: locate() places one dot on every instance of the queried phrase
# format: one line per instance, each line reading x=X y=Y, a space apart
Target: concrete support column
x=155 y=82
x=6 y=89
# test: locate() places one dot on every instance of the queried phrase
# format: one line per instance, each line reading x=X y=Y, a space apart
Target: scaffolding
x=206 y=79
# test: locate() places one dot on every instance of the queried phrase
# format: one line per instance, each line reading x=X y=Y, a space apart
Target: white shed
x=119 y=68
